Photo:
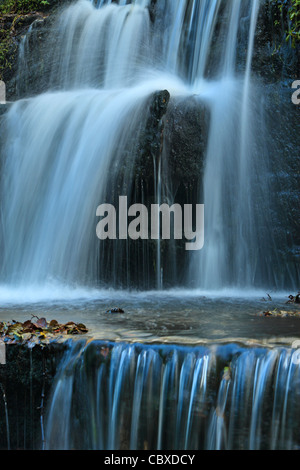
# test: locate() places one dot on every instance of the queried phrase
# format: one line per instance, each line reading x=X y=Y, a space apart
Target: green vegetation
x=10 y=12
x=5 y=45
x=22 y=6
x=294 y=16
x=289 y=15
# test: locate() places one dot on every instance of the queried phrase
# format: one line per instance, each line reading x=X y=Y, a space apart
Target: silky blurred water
x=167 y=397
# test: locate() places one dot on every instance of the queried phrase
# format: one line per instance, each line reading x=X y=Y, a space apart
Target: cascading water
x=72 y=148
x=159 y=397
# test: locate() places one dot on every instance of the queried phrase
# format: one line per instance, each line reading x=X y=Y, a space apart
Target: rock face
x=277 y=65
x=24 y=78
x=275 y=59
x=25 y=381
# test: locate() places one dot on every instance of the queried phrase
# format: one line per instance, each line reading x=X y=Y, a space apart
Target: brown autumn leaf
x=29 y=327
x=41 y=323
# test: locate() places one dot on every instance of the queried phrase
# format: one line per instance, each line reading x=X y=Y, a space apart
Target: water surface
x=175 y=316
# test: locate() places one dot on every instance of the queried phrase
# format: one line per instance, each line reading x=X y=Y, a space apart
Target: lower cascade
x=174 y=397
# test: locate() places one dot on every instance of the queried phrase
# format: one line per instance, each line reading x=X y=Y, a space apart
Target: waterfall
x=171 y=397
x=78 y=145
x=232 y=243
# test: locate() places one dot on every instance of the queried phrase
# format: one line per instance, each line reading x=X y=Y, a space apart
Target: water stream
x=154 y=397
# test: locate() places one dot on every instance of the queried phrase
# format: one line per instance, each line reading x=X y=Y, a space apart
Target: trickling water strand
x=289 y=411
x=205 y=29
x=248 y=222
x=157 y=192
x=217 y=439
x=263 y=371
x=174 y=398
x=198 y=392
x=116 y=386
x=240 y=398
x=22 y=62
x=165 y=374
x=147 y=361
x=168 y=388
x=58 y=434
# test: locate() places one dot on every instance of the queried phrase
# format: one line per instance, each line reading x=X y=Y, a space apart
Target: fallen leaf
x=41 y=323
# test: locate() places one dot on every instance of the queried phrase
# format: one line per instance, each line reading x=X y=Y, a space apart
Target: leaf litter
x=38 y=331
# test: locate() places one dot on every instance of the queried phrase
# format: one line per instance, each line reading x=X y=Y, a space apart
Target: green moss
x=10 y=11
x=5 y=42
x=294 y=15
x=22 y=6
x=289 y=16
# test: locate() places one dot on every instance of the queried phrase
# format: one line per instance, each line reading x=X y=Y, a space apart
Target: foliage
x=22 y=6
x=290 y=15
x=5 y=45
x=276 y=312
x=37 y=331
x=294 y=15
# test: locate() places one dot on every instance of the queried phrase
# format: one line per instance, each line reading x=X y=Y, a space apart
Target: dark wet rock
x=283 y=143
x=115 y=310
x=26 y=375
x=151 y=136
x=185 y=139
x=294 y=299
x=274 y=58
